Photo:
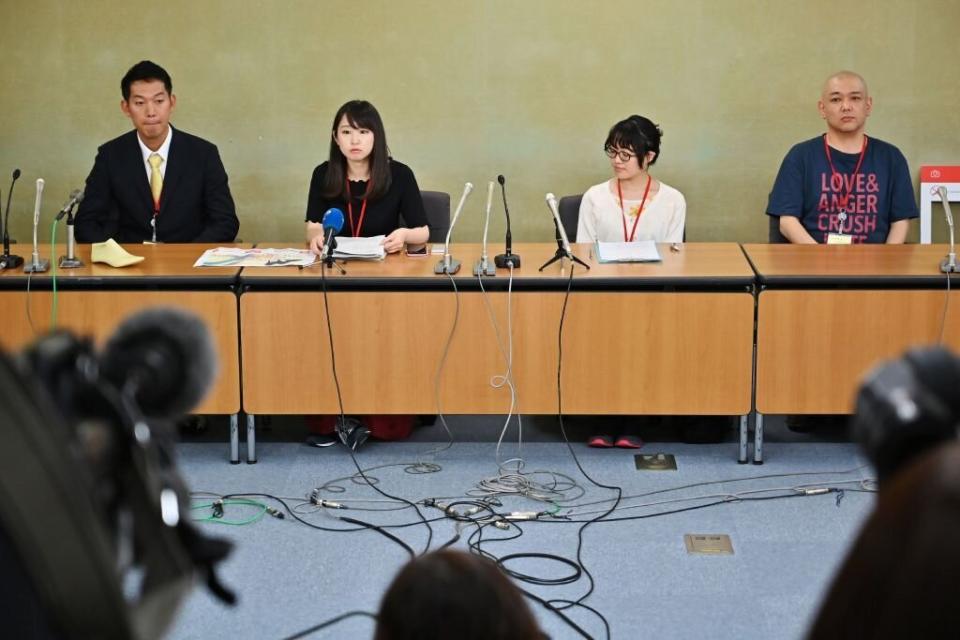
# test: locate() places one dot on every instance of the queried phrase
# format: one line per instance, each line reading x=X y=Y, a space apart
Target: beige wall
x=471 y=89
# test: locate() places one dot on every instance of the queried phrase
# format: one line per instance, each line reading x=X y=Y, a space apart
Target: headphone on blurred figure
x=907 y=406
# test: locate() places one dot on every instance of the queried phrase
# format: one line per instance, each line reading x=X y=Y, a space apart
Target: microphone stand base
x=10 y=262
x=69 y=263
x=452 y=269
x=506 y=260
x=949 y=266
x=489 y=270
x=41 y=266
x=560 y=255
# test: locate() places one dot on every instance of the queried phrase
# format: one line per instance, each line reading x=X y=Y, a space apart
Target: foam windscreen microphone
x=165 y=357
x=332 y=222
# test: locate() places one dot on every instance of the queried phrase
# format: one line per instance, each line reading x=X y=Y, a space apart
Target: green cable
x=218 y=519
x=53 y=274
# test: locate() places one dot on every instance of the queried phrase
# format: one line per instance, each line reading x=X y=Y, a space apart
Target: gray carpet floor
x=290 y=577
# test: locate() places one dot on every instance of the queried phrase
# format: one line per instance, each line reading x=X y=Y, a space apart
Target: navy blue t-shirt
x=881 y=192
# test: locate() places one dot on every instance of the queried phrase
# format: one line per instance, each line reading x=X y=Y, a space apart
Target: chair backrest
x=437 y=206
x=773 y=231
x=569 y=207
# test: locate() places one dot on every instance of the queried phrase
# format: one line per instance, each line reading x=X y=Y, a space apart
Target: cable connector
x=317 y=501
x=217 y=508
x=816 y=491
x=276 y=513
x=500 y=524
x=522 y=515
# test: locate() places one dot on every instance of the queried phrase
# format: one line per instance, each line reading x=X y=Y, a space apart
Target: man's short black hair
x=145 y=70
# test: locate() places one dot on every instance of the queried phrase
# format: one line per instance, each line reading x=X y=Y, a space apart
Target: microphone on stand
x=507 y=258
x=447 y=264
x=76 y=196
x=37 y=265
x=70 y=261
x=483 y=267
x=332 y=223
x=8 y=261
x=948 y=264
x=563 y=243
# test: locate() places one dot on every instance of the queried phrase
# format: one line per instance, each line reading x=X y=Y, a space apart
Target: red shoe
x=600 y=442
x=629 y=442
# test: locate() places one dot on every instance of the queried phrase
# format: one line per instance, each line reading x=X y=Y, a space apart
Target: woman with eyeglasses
x=629 y=207
x=632 y=205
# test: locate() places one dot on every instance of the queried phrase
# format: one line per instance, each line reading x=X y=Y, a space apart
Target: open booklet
x=234 y=257
x=349 y=248
x=639 y=251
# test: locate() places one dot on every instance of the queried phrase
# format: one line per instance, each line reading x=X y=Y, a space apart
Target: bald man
x=844 y=187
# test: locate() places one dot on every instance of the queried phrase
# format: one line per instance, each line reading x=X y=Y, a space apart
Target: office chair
x=773 y=231
x=437 y=206
x=570 y=214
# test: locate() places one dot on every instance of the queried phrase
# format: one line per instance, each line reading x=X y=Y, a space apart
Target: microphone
x=483 y=267
x=76 y=197
x=165 y=358
x=70 y=261
x=552 y=203
x=8 y=261
x=506 y=259
x=37 y=265
x=949 y=264
x=332 y=223
x=563 y=243
x=448 y=265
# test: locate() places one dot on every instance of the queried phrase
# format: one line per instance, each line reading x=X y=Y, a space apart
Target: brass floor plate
x=708 y=543
x=655 y=462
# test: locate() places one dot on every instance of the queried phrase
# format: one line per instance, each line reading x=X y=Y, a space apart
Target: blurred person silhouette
x=899 y=578
x=454 y=595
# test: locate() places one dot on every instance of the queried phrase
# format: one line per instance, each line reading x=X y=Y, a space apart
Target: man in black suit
x=155 y=183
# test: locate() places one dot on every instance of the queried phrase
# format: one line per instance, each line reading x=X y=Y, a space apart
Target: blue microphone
x=332 y=223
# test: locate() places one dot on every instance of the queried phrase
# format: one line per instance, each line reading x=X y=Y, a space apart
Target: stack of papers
x=349 y=248
x=233 y=257
x=640 y=251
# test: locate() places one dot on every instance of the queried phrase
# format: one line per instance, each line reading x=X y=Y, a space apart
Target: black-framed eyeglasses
x=624 y=156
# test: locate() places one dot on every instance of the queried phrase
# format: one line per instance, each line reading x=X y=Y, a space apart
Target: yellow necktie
x=156 y=179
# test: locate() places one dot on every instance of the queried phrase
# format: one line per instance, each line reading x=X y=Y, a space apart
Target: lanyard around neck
x=355 y=230
x=623 y=216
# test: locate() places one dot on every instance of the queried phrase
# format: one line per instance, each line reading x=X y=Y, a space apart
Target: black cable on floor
x=336 y=381
x=330 y=622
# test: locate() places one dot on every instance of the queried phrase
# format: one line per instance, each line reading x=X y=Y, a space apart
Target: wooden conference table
x=674 y=337
x=826 y=315
x=96 y=298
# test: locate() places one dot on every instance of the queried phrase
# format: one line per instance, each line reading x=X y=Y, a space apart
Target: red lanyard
x=355 y=231
x=623 y=217
x=845 y=198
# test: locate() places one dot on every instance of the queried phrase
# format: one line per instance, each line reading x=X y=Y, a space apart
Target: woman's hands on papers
x=315 y=237
x=316 y=244
x=395 y=241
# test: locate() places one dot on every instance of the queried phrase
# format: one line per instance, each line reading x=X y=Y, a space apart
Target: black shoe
x=321 y=440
